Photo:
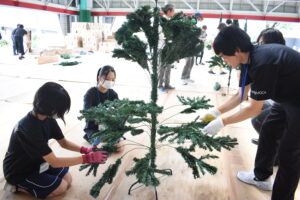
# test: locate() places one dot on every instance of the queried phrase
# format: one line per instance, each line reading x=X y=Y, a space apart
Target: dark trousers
x=285 y=117
x=200 y=56
x=257 y=121
x=19 y=44
x=15 y=52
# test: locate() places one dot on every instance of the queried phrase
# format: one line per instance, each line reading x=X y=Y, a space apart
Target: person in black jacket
x=18 y=39
x=30 y=165
x=103 y=91
x=15 y=51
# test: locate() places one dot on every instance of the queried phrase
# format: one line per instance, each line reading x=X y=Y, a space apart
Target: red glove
x=95 y=157
x=86 y=150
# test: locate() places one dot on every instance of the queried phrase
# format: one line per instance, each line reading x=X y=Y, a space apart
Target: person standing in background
x=15 y=51
x=228 y=22
x=186 y=72
x=18 y=38
x=203 y=37
x=165 y=71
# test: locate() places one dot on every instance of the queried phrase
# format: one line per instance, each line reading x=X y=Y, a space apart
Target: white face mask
x=108 y=84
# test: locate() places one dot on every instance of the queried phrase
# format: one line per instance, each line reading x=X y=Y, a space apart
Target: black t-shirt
x=92 y=98
x=28 y=144
x=274 y=73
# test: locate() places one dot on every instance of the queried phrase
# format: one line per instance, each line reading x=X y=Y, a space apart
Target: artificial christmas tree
x=121 y=117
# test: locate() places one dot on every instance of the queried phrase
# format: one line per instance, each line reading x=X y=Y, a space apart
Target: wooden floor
x=18 y=85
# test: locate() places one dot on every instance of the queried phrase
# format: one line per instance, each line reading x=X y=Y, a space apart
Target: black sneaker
x=169 y=87
x=211 y=72
x=254 y=141
x=223 y=73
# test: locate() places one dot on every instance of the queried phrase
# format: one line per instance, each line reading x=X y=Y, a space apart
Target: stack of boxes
x=89 y=36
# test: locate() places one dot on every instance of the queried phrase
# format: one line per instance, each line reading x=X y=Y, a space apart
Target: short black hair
x=204 y=27
x=271 y=35
x=221 y=26
x=21 y=26
x=230 y=39
x=50 y=99
x=168 y=7
x=228 y=21
x=104 y=71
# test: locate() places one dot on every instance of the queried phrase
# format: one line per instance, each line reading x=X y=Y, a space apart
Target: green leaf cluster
x=3 y=43
x=67 y=63
x=65 y=56
x=181 y=38
x=194 y=104
x=145 y=173
x=192 y=132
x=198 y=165
x=133 y=48
x=217 y=86
x=217 y=61
x=118 y=117
x=107 y=177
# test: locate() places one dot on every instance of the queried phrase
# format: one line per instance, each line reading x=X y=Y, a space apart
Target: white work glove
x=211 y=115
x=214 y=126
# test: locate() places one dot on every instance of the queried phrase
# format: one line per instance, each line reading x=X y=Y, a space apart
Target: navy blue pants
x=40 y=185
x=19 y=44
x=286 y=117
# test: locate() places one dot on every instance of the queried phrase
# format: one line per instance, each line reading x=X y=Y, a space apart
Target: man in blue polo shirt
x=272 y=71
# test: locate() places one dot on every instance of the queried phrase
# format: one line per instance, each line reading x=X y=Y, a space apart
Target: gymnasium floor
x=19 y=80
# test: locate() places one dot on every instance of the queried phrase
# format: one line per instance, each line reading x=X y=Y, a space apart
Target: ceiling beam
x=105 y=4
x=127 y=4
x=253 y=6
x=198 y=4
x=266 y=4
x=98 y=2
x=280 y=4
x=186 y=3
x=108 y=4
x=231 y=5
x=136 y=4
x=219 y=4
x=68 y=5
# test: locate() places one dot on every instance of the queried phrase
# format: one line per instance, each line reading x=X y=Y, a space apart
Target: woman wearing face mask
x=103 y=91
x=30 y=165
